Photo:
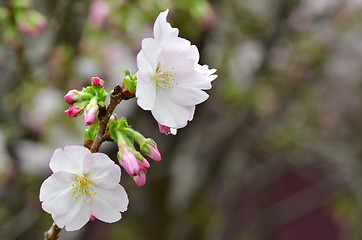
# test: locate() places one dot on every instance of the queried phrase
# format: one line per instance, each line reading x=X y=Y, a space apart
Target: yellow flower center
x=83 y=188
x=166 y=78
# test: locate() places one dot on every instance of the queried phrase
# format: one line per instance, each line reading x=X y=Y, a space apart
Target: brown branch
x=52 y=233
x=118 y=94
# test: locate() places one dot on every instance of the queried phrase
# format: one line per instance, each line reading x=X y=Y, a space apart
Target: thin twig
x=52 y=233
x=118 y=94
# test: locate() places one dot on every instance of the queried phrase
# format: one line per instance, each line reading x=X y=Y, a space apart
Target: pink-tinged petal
x=164 y=129
x=162 y=30
x=68 y=160
x=140 y=179
x=146 y=94
x=102 y=170
x=75 y=218
x=57 y=189
x=105 y=211
x=147 y=58
x=116 y=197
x=168 y=113
x=186 y=96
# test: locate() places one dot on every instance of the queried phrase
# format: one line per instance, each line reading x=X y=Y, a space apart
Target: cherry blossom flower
x=83 y=186
x=170 y=82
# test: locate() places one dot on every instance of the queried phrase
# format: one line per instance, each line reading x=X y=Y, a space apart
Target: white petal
x=56 y=193
x=61 y=162
x=105 y=211
x=117 y=197
x=147 y=58
x=75 y=218
x=102 y=170
x=173 y=131
x=176 y=53
x=186 y=96
x=162 y=30
x=170 y=114
x=146 y=94
x=195 y=79
x=76 y=153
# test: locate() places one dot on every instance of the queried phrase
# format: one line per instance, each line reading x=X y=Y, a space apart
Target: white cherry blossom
x=83 y=186
x=170 y=82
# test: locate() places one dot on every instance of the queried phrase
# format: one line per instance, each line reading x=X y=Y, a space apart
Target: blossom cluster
x=169 y=83
x=88 y=101
x=129 y=158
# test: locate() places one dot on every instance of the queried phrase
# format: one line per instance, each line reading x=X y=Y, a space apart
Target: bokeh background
x=274 y=153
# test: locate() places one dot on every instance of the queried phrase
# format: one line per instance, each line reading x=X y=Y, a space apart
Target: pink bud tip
x=140 y=179
x=69 y=97
x=154 y=153
x=89 y=117
x=73 y=111
x=92 y=218
x=143 y=164
x=129 y=163
x=97 y=81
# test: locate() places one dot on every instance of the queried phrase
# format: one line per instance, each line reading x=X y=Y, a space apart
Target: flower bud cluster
x=133 y=162
x=88 y=101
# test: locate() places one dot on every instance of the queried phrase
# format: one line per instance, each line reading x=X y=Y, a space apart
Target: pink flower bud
x=69 y=97
x=129 y=162
x=140 y=179
x=97 y=81
x=154 y=153
x=143 y=164
x=73 y=111
x=166 y=130
x=92 y=218
x=89 y=117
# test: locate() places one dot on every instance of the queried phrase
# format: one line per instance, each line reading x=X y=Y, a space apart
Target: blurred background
x=274 y=153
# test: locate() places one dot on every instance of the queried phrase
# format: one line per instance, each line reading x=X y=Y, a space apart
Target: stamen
x=83 y=187
x=165 y=78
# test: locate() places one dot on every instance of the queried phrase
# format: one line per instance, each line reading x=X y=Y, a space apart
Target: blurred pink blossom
x=98 y=13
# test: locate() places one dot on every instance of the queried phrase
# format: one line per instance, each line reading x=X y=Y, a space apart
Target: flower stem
x=52 y=233
x=118 y=94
